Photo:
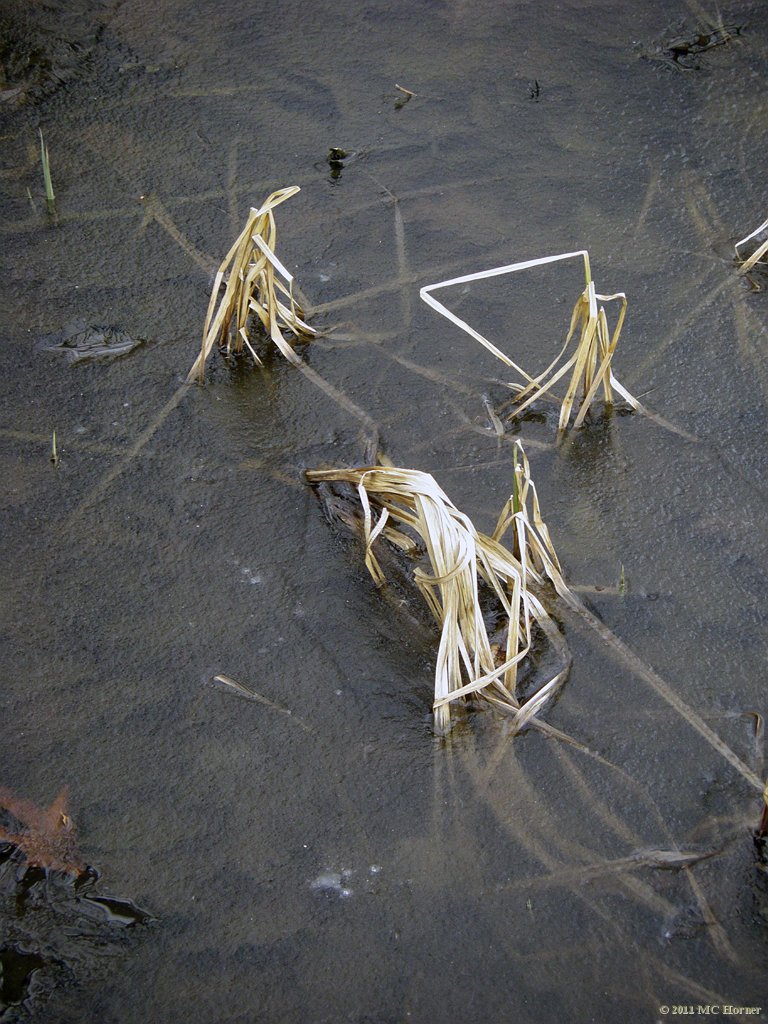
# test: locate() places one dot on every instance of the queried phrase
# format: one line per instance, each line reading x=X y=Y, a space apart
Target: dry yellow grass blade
x=590 y=362
x=762 y=828
x=760 y=235
x=254 y=281
x=463 y=561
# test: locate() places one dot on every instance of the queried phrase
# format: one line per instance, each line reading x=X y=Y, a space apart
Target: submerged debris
x=688 y=45
x=44 y=837
x=227 y=683
x=56 y=927
x=335 y=160
x=404 y=97
x=468 y=568
x=42 y=47
x=681 y=52
x=80 y=343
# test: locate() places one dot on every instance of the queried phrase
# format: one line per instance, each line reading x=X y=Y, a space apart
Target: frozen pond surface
x=340 y=863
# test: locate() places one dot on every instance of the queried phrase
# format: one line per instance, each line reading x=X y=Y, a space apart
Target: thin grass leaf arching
x=462 y=560
x=254 y=282
x=589 y=364
x=760 y=236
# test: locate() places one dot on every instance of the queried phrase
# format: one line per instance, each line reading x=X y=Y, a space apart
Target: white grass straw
x=758 y=254
x=591 y=361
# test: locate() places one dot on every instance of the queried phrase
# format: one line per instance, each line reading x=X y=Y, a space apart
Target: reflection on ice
x=333 y=882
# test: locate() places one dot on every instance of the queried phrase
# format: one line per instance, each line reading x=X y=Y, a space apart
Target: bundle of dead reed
x=590 y=361
x=251 y=275
x=759 y=239
x=463 y=560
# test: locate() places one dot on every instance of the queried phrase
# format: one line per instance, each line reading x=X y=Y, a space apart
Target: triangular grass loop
x=589 y=364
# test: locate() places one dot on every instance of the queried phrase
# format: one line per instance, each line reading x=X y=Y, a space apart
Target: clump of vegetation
x=254 y=281
x=589 y=362
x=466 y=565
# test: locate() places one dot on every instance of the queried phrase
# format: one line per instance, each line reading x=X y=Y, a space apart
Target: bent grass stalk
x=460 y=558
x=758 y=254
x=255 y=281
x=762 y=828
x=590 y=362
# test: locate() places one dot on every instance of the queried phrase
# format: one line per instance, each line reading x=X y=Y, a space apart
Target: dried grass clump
x=461 y=560
x=759 y=237
x=590 y=361
x=251 y=274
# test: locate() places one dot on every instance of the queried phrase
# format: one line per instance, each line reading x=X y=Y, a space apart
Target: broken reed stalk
x=460 y=558
x=255 y=281
x=760 y=251
x=590 y=362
